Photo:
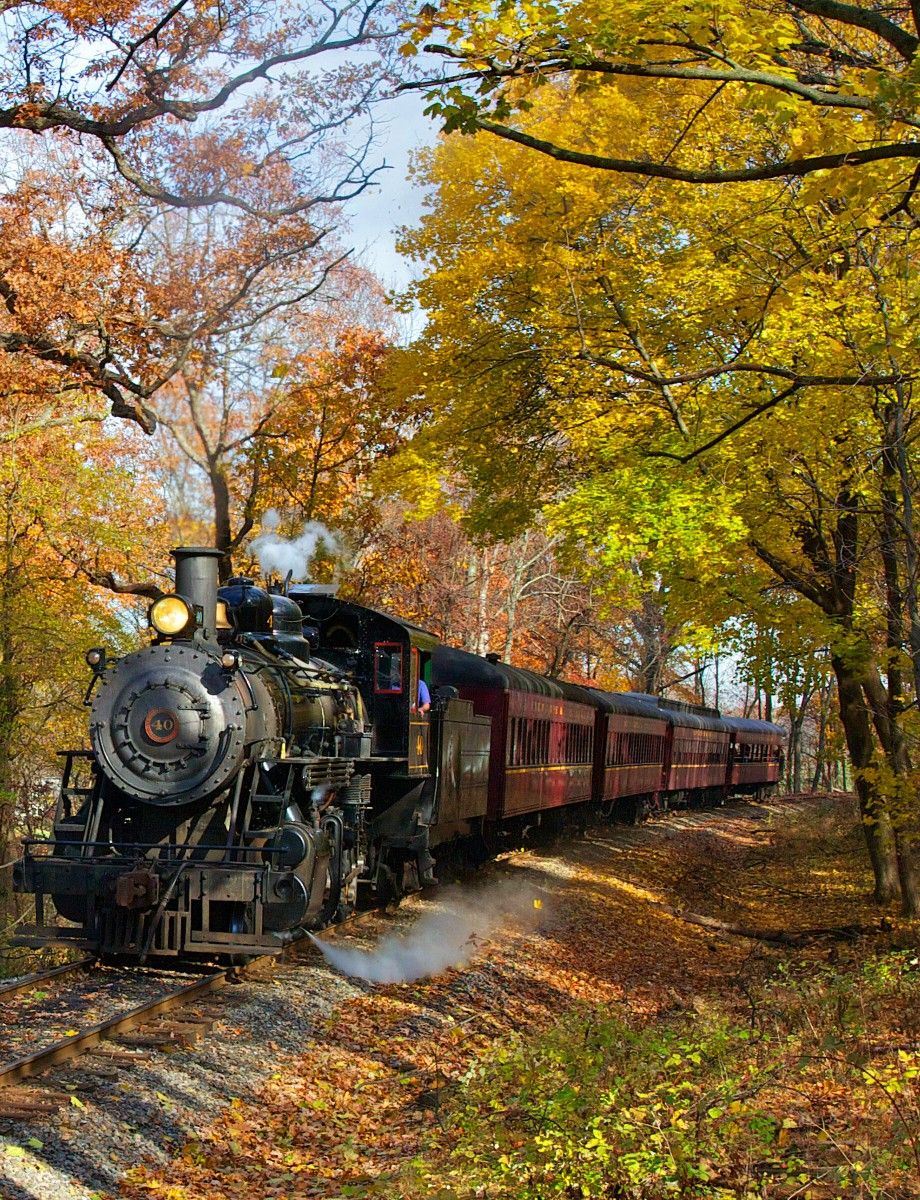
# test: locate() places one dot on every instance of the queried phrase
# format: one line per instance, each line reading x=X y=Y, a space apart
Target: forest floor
x=699 y=962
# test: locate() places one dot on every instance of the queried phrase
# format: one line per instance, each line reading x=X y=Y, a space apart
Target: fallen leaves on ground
x=368 y=1091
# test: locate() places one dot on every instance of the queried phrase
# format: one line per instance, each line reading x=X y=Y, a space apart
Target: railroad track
x=39 y=978
x=18 y=1066
x=78 y=1042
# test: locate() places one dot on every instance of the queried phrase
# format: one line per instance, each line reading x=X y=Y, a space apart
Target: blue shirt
x=424 y=696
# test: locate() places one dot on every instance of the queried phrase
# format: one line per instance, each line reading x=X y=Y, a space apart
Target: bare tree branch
x=152 y=35
x=102 y=578
x=864 y=379
x=756 y=411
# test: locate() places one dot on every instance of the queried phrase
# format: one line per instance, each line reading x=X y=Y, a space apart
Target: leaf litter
x=545 y=934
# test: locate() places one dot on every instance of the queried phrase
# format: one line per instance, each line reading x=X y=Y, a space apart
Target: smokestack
x=196 y=579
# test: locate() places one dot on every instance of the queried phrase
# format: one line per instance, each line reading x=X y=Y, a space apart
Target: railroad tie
x=27 y=1104
x=161 y=1035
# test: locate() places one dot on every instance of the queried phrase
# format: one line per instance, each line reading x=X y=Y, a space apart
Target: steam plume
x=278 y=555
x=447 y=937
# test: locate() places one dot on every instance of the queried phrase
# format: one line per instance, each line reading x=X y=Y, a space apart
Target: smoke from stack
x=278 y=555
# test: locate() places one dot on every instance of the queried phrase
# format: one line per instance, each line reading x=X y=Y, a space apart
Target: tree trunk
x=888 y=706
x=891 y=735
x=907 y=873
x=515 y=590
x=7 y=719
x=478 y=578
x=876 y=822
x=700 y=664
x=821 y=745
x=654 y=642
x=910 y=536
x=794 y=773
x=482 y=607
x=9 y=707
x=903 y=521
x=220 y=492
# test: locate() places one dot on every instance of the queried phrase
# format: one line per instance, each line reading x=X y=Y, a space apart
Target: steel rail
x=72 y=1047
x=39 y=977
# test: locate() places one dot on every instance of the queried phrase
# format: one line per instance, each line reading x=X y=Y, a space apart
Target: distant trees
x=520 y=599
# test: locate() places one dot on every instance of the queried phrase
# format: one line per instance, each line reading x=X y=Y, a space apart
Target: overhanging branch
x=864 y=379
x=632 y=166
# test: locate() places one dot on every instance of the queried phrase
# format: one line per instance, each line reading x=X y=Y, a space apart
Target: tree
x=57 y=538
x=195 y=103
x=234 y=110
x=334 y=418
x=686 y=378
x=232 y=399
x=829 y=82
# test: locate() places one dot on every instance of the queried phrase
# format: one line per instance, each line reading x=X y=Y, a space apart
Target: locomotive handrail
x=129 y=850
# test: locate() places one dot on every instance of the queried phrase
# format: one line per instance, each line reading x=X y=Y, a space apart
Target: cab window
x=388 y=668
x=413 y=680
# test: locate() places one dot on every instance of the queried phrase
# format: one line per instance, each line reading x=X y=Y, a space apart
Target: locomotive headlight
x=95 y=657
x=171 y=615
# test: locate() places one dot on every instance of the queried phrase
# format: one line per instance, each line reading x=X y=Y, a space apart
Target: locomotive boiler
x=219 y=808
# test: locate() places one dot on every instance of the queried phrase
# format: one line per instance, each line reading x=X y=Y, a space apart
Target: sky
x=376 y=214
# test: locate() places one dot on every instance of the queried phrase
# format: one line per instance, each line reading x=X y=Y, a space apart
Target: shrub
x=817 y=1094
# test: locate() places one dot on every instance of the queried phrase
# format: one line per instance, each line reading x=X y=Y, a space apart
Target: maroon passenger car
x=755 y=757
x=542 y=750
x=697 y=761
x=631 y=738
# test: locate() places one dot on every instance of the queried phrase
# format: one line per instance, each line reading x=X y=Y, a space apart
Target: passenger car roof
x=473 y=671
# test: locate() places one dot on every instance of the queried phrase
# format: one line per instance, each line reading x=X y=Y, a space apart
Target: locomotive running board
x=37 y=936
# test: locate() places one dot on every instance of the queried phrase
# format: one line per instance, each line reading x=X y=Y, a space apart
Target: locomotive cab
x=386 y=658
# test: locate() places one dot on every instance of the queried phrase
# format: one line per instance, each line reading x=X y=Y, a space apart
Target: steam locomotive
x=266 y=757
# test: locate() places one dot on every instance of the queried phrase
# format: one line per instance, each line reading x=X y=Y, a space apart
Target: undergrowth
x=814 y=1093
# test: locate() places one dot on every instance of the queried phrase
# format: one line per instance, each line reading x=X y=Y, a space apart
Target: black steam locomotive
x=267 y=755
